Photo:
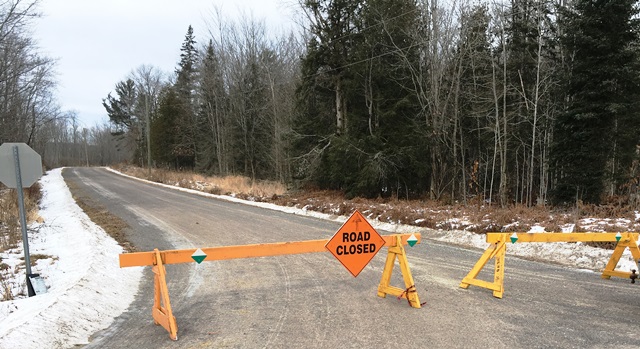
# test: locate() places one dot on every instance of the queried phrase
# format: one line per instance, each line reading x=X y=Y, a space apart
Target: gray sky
x=98 y=42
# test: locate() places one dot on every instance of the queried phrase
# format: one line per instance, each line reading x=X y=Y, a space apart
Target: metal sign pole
x=23 y=219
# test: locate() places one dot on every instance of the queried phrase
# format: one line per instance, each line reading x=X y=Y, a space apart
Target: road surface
x=312 y=301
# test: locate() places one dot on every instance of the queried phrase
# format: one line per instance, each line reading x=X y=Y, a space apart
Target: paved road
x=311 y=301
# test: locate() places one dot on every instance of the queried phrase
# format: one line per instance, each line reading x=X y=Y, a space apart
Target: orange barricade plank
x=163 y=314
x=137 y=259
x=563 y=237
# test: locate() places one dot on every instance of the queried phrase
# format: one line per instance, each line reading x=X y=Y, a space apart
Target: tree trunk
x=341 y=122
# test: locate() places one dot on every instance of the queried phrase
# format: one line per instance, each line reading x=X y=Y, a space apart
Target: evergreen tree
x=387 y=116
x=252 y=129
x=124 y=116
x=187 y=67
x=596 y=137
x=186 y=121
x=356 y=125
x=163 y=129
x=121 y=109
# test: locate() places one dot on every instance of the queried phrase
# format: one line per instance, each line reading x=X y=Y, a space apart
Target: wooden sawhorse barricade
x=498 y=248
x=163 y=314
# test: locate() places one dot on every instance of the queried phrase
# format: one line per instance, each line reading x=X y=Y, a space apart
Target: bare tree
x=26 y=77
x=149 y=82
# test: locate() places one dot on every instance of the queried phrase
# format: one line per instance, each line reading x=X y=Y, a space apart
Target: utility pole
x=146 y=111
x=85 y=133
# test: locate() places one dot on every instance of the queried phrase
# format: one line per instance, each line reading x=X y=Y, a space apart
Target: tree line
x=227 y=109
x=518 y=102
x=526 y=101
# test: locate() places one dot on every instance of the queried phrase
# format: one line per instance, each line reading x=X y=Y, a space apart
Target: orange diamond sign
x=355 y=243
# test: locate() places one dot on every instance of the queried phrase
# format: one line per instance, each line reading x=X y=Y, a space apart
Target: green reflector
x=198 y=256
x=412 y=240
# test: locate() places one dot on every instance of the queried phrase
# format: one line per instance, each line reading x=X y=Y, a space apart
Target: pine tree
x=187 y=66
x=121 y=109
x=163 y=129
x=186 y=125
x=357 y=116
x=251 y=125
x=596 y=136
x=322 y=102
x=122 y=112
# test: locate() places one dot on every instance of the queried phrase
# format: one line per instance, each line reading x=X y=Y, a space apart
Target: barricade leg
x=497 y=251
x=409 y=293
x=498 y=276
x=626 y=242
x=162 y=312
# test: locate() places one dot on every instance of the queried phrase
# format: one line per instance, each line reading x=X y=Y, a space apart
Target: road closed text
x=355 y=243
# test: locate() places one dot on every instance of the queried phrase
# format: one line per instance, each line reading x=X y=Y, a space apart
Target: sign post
x=31 y=168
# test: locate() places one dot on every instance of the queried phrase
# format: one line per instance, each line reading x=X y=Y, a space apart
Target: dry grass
x=5 y=290
x=3 y=267
x=10 y=233
x=237 y=185
x=479 y=219
x=476 y=217
x=112 y=225
x=35 y=257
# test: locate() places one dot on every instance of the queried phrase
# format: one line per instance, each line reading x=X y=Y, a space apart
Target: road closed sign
x=355 y=243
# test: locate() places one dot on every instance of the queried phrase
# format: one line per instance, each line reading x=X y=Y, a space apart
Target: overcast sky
x=98 y=42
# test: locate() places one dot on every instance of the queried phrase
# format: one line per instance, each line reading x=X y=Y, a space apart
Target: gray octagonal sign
x=30 y=165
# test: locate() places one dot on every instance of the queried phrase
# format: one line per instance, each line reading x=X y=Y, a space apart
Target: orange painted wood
x=560 y=237
x=137 y=259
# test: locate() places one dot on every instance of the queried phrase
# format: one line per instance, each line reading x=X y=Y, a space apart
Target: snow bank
x=86 y=287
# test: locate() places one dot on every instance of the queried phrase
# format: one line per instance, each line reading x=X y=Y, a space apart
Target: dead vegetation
x=10 y=232
x=240 y=186
x=479 y=218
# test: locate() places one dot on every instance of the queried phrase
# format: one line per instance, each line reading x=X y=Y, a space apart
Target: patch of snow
x=570 y=254
x=80 y=277
x=537 y=229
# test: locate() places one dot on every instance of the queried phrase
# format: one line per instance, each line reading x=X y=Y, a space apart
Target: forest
x=527 y=102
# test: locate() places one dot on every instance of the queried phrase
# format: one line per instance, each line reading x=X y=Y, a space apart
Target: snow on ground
x=86 y=287
x=571 y=254
x=85 y=262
